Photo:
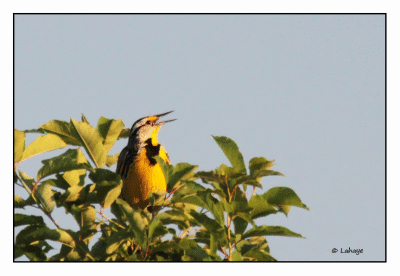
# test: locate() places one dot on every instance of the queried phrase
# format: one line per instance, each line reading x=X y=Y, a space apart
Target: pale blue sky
x=305 y=90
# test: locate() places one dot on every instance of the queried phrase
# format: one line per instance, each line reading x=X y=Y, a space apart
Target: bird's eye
x=148 y=122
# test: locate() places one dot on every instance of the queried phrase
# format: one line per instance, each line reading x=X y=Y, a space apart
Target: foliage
x=209 y=221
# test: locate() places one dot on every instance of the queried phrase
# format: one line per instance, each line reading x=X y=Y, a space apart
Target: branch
x=110 y=219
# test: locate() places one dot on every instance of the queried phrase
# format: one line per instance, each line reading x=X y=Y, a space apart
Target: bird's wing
x=122 y=169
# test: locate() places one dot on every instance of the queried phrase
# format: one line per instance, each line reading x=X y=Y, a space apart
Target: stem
x=233 y=191
x=229 y=193
x=90 y=257
x=110 y=220
x=19 y=185
x=235 y=243
x=51 y=218
x=31 y=193
x=223 y=251
x=254 y=190
x=185 y=232
x=229 y=236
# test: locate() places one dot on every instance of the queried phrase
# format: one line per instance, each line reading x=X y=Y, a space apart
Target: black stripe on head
x=135 y=128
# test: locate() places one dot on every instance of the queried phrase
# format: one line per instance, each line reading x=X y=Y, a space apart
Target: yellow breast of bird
x=142 y=178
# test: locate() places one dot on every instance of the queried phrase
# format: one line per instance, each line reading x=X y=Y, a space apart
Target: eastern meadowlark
x=139 y=171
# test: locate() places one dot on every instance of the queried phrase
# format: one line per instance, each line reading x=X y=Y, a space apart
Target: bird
x=139 y=170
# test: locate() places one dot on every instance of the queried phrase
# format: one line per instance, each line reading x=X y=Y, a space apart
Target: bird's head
x=147 y=127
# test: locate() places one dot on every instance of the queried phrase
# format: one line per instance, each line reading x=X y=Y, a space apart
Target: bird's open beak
x=163 y=122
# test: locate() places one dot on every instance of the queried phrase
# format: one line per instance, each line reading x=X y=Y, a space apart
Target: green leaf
x=59 y=182
x=73 y=193
x=210 y=224
x=85 y=215
x=240 y=225
x=22 y=219
x=261 y=207
x=109 y=130
x=75 y=177
x=156 y=198
x=97 y=250
x=260 y=243
x=270 y=231
x=124 y=133
x=138 y=226
x=18 y=202
x=252 y=182
x=229 y=172
x=239 y=209
x=205 y=200
x=166 y=168
x=260 y=163
x=156 y=229
x=72 y=159
x=45 y=195
x=257 y=255
x=92 y=142
x=179 y=218
x=244 y=246
x=65 y=130
x=177 y=244
x=283 y=196
x=115 y=240
x=27 y=180
x=18 y=251
x=262 y=173
x=255 y=249
x=138 y=222
x=112 y=195
x=83 y=119
x=284 y=209
x=197 y=254
x=19 y=145
x=42 y=144
x=236 y=256
x=34 y=252
x=214 y=243
x=238 y=204
x=88 y=215
x=34 y=233
x=210 y=176
x=231 y=151
x=213 y=205
x=188 y=187
x=108 y=185
x=15 y=177
x=99 y=175
x=217 y=233
x=180 y=172
x=35 y=131
x=112 y=159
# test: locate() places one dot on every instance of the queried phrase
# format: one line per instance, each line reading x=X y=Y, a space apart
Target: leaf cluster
x=202 y=216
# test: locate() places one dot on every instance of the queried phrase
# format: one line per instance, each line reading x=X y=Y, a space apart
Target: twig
x=185 y=232
x=235 y=243
x=223 y=251
x=19 y=185
x=229 y=234
x=40 y=206
x=110 y=220
x=50 y=217
x=229 y=222
x=254 y=190
x=233 y=191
